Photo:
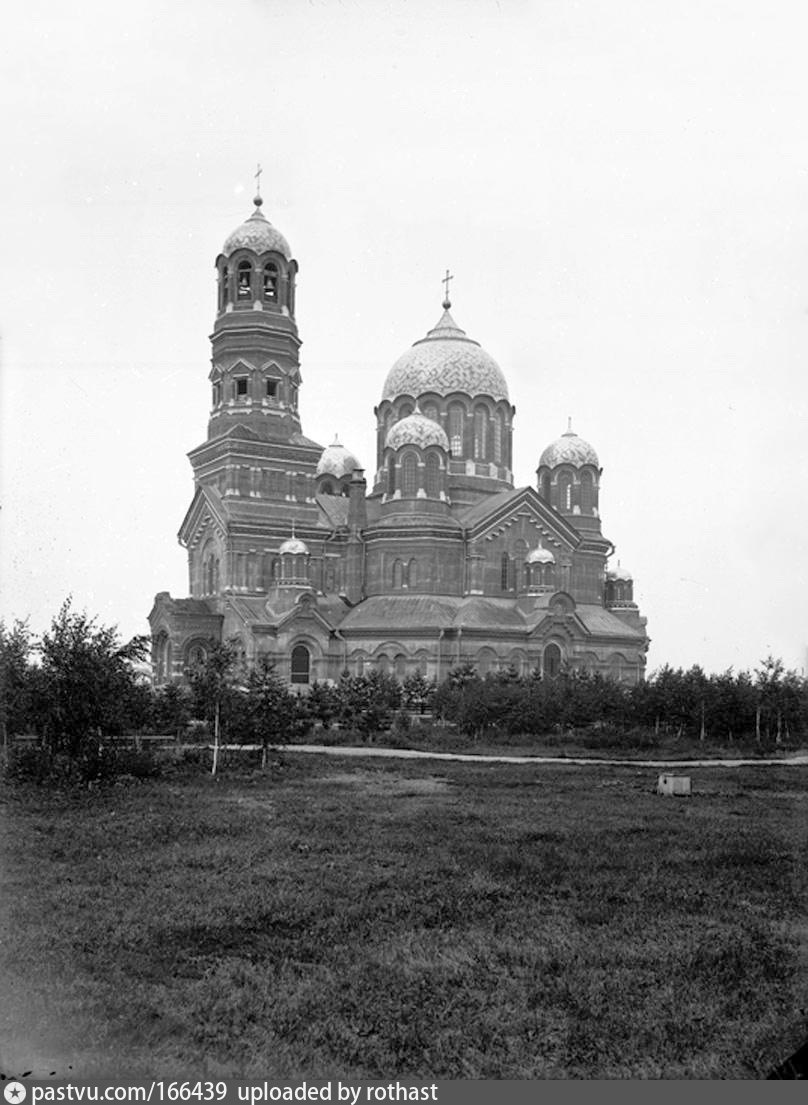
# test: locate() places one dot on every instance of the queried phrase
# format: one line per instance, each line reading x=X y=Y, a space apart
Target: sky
x=620 y=191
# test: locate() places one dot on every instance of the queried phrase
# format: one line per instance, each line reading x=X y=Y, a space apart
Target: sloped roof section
x=390 y=613
x=334 y=508
x=477 y=612
x=602 y=623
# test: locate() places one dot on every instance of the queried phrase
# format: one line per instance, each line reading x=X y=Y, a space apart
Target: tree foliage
x=86 y=685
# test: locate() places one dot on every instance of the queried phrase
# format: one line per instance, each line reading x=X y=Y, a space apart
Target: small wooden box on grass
x=678 y=785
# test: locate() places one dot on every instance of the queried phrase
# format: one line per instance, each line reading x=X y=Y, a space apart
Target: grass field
x=375 y=919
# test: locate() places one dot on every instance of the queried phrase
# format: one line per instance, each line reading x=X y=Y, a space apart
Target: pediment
x=523 y=505
x=204 y=516
x=305 y=610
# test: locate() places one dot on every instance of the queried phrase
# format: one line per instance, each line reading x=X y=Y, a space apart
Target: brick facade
x=440 y=561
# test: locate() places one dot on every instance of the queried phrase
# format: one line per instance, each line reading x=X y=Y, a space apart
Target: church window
x=404 y=411
x=272 y=389
x=431 y=411
x=391 y=476
x=432 y=476
x=223 y=288
x=505 y=572
x=217 y=394
x=244 y=280
x=456 y=430
x=327 y=488
x=587 y=493
x=398 y=575
x=480 y=433
x=301 y=664
x=544 y=486
x=400 y=663
x=271 y=282
x=498 y=439
x=241 y=387
x=409 y=475
x=565 y=493
x=412 y=573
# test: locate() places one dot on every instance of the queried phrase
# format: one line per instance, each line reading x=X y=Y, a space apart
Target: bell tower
x=255 y=373
x=255 y=448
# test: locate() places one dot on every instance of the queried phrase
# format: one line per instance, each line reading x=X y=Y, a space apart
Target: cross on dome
x=446 y=303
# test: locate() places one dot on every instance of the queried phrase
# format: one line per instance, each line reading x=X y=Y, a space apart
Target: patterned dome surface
x=294 y=546
x=336 y=460
x=569 y=449
x=445 y=361
x=619 y=573
x=540 y=556
x=257 y=234
x=416 y=429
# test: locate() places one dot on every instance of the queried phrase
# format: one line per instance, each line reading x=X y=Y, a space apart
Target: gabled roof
x=493 y=510
x=206 y=500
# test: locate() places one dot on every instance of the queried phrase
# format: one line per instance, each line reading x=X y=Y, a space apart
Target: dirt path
x=577 y=761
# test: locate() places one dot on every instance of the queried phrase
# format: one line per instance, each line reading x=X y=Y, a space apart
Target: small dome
x=540 y=556
x=569 y=449
x=294 y=546
x=619 y=574
x=257 y=234
x=335 y=460
x=416 y=429
x=445 y=361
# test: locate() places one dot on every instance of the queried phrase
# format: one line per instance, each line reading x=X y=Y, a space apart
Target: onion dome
x=416 y=429
x=335 y=460
x=445 y=361
x=569 y=449
x=294 y=546
x=257 y=234
x=619 y=573
x=540 y=556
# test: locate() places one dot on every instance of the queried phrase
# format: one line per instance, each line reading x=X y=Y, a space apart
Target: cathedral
x=434 y=560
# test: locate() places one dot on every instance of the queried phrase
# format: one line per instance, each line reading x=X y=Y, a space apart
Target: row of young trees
x=80 y=683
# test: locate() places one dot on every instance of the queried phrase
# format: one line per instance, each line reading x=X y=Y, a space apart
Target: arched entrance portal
x=552 y=661
x=301 y=664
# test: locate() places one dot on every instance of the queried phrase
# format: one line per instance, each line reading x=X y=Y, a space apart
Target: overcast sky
x=619 y=189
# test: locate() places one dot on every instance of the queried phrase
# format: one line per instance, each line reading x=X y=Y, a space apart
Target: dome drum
x=618 y=588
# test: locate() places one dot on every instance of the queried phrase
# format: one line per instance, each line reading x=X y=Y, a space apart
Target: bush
x=97 y=762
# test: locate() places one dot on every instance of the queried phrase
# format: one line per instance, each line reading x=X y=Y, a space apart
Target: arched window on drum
x=480 y=433
x=587 y=493
x=456 y=421
x=432 y=476
x=409 y=475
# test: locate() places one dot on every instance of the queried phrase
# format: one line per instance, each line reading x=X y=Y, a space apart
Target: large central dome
x=443 y=362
